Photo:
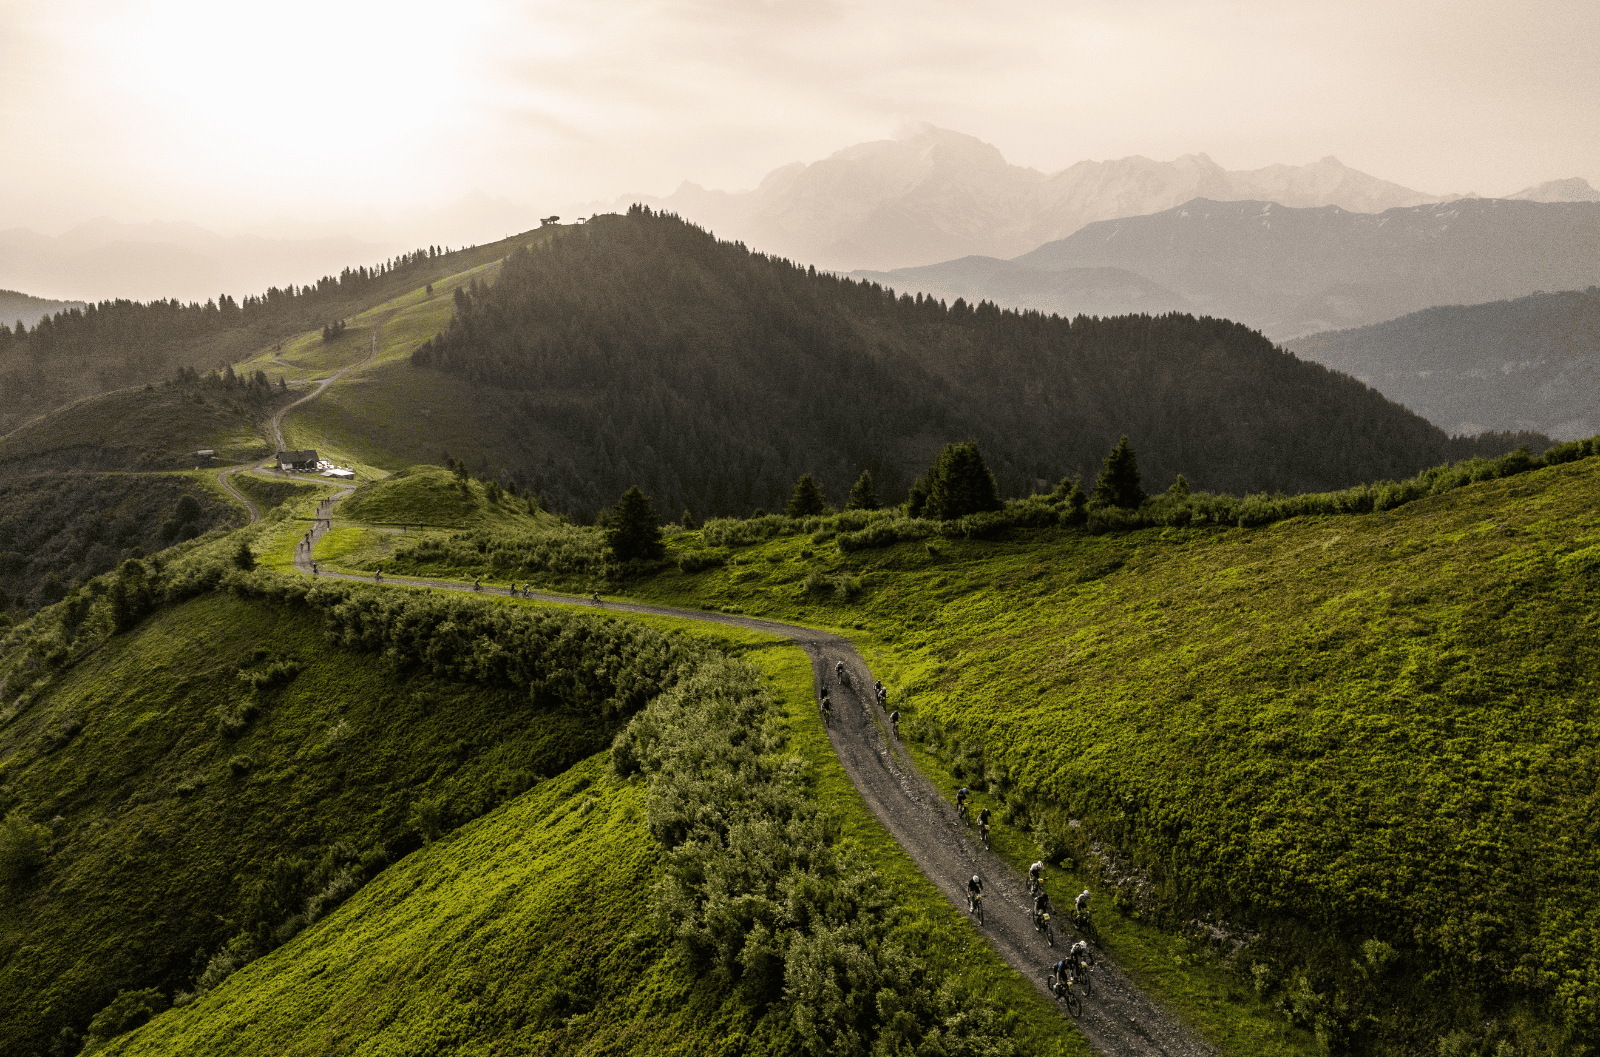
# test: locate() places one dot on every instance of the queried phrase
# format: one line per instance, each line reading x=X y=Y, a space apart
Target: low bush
x=23 y=848
x=757 y=889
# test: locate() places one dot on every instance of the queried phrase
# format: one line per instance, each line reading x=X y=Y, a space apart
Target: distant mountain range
x=1294 y=271
x=104 y=259
x=1528 y=364
x=1576 y=189
x=938 y=194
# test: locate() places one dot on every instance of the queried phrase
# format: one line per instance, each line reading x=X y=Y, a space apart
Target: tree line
x=116 y=343
x=642 y=350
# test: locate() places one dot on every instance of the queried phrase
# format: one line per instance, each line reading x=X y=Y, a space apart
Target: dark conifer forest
x=642 y=350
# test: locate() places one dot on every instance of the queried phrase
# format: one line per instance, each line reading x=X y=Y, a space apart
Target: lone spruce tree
x=863 y=496
x=960 y=484
x=807 y=500
x=632 y=531
x=1118 y=483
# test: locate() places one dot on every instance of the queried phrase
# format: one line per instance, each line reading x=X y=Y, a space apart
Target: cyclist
x=838 y=671
x=477 y=585
x=1061 y=975
x=961 y=804
x=974 y=891
x=1078 y=956
x=1080 y=905
x=894 y=723
x=1036 y=874
x=983 y=826
x=1041 y=904
x=827 y=708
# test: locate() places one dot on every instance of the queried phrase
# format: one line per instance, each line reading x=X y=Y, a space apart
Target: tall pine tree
x=632 y=531
x=960 y=484
x=807 y=500
x=863 y=496
x=1118 y=483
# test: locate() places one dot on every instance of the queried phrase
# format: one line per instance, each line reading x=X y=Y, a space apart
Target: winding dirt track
x=1117 y=1017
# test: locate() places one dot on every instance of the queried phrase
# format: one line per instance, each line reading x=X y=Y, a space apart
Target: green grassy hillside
x=64 y=528
x=544 y=927
x=433 y=497
x=1320 y=733
x=155 y=428
x=186 y=795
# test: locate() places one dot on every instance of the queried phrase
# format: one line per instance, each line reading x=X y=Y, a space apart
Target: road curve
x=233 y=490
x=1118 y=1018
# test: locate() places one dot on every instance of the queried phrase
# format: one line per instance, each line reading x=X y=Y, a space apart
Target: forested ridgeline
x=198 y=762
x=58 y=531
x=712 y=377
x=1502 y=365
x=113 y=344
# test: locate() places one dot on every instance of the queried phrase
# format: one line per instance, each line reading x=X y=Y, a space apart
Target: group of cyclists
x=880 y=692
x=1071 y=972
x=1068 y=977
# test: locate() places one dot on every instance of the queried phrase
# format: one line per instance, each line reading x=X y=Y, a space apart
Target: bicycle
x=1065 y=994
x=1081 y=976
x=975 y=905
x=1041 y=923
x=827 y=711
x=963 y=814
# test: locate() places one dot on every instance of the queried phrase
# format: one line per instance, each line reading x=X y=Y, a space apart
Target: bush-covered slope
x=57 y=529
x=240 y=762
x=640 y=350
x=558 y=924
x=1365 y=745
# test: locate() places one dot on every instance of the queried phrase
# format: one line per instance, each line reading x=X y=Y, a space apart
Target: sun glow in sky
x=230 y=114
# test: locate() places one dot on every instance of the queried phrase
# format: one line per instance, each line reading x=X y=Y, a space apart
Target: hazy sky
x=228 y=114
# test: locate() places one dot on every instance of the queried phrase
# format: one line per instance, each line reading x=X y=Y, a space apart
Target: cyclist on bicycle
x=974 y=891
x=838 y=671
x=1036 y=873
x=1081 y=905
x=1078 y=956
x=1061 y=974
x=983 y=818
x=1041 y=903
x=894 y=722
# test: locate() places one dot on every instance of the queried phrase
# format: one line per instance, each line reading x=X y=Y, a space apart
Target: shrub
x=431 y=816
x=24 y=846
x=699 y=560
x=129 y=1010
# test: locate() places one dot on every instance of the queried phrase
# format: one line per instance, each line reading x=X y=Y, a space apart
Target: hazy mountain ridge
x=940 y=194
x=1292 y=271
x=1574 y=189
x=105 y=259
x=16 y=306
x=1528 y=364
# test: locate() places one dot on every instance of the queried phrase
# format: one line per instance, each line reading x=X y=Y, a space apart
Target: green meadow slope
x=199 y=787
x=556 y=925
x=1355 y=756
x=319 y=817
